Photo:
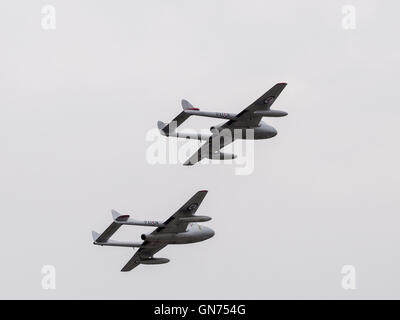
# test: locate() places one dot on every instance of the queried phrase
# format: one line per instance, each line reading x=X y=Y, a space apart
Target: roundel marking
x=193 y=206
x=269 y=100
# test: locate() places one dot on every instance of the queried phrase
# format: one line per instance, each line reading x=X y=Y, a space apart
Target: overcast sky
x=77 y=102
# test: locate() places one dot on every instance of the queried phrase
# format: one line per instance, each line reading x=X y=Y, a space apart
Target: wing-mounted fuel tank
x=154 y=261
x=271 y=113
x=195 y=219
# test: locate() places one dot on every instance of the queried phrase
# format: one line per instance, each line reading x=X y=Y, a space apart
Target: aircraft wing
x=172 y=225
x=211 y=148
x=247 y=117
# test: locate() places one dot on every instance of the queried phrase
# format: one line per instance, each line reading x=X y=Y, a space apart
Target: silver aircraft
x=180 y=228
x=238 y=126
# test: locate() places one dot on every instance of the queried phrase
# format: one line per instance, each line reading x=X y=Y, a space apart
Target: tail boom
x=125 y=219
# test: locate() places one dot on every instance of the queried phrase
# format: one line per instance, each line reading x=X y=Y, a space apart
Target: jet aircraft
x=237 y=126
x=180 y=228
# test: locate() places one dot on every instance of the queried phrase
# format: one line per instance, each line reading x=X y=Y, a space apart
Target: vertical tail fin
x=95 y=235
x=161 y=125
x=186 y=105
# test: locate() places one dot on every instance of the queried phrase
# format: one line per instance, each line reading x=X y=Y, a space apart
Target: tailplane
x=167 y=129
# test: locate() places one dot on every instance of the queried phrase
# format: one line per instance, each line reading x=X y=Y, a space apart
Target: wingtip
x=130 y=266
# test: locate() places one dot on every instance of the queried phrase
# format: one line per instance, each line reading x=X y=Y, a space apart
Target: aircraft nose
x=210 y=233
x=273 y=132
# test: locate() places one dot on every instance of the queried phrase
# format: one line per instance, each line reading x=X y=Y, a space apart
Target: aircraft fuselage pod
x=193 y=233
x=259 y=132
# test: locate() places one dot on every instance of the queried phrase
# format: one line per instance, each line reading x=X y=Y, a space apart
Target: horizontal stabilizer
x=113 y=227
x=169 y=128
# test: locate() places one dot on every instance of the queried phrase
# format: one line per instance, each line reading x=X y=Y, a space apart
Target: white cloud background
x=76 y=103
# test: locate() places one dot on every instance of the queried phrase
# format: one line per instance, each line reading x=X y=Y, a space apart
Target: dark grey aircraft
x=180 y=228
x=238 y=126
